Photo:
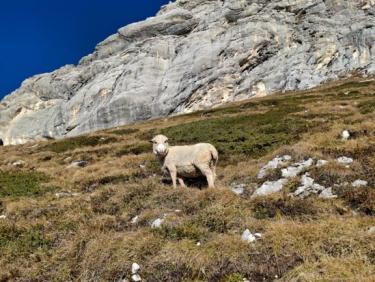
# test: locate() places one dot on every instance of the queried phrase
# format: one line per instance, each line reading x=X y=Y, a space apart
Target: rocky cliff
x=192 y=55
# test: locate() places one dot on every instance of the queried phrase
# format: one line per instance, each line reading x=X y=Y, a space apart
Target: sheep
x=186 y=161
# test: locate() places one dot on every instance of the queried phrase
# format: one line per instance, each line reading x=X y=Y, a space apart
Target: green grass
x=19 y=184
x=367 y=107
x=289 y=207
x=125 y=131
x=78 y=142
x=135 y=149
x=246 y=135
x=21 y=241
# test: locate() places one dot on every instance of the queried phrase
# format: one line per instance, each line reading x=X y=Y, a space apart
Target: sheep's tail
x=214 y=155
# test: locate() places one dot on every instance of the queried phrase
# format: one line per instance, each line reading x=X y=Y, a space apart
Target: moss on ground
x=78 y=142
x=22 y=184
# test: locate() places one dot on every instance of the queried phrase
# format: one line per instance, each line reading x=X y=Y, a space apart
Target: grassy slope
x=89 y=237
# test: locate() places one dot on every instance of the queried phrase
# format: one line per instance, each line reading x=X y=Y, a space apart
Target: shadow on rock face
x=1 y=142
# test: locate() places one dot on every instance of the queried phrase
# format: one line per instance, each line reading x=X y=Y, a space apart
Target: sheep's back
x=185 y=155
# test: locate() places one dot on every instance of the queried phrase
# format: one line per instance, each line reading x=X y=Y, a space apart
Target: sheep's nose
x=160 y=148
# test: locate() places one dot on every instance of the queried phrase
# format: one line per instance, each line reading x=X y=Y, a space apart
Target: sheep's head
x=160 y=145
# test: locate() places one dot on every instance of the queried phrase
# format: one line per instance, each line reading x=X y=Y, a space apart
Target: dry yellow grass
x=88 y=235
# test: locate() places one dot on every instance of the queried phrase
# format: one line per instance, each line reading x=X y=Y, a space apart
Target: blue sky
x=38 y=36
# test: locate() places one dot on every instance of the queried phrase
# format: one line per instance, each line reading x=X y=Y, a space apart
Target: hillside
x=90 y=221
x=195 y=55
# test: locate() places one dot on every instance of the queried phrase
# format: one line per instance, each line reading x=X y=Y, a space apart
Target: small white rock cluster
x=308 y=185
x=293 y=170
x=273 y=164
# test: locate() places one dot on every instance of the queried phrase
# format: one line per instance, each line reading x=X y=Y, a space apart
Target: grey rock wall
x=195 y=54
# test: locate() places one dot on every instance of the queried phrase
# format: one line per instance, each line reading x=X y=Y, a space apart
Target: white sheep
x=186 y=161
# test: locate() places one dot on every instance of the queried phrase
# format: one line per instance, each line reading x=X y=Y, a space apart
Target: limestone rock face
x=195 y=54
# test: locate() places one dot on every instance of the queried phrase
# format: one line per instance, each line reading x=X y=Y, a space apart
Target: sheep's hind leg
x=207 y=172
x=182 y=183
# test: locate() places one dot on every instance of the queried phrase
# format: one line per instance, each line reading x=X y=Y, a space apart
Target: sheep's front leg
x=173 y=173
x=182 y=183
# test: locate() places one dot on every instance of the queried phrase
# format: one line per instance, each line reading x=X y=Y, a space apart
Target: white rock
x=248 y=237
x=345 y=135
x=135 y=268
x=296 y=168
x=63 y=195
x=238 y=189
x=258 y=235
x=135 y=220
x=3 y=216
x=270 y=187
x=77 y=164
x=359 y=183
x=345 y=160
x=327 y=194
x=157 y=223
x=321 y=163
x=19 y=163
x=273 y=164
x=371 y=230
x=308 y=187
x=136 y=278
x=199 y=244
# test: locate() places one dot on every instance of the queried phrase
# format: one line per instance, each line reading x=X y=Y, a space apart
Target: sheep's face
x=160 y=145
